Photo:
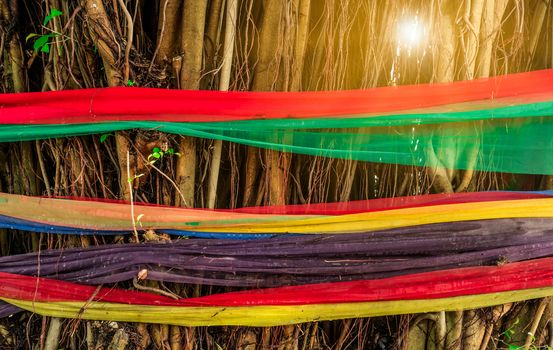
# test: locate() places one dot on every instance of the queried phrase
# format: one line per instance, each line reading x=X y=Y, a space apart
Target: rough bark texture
x=194 y=15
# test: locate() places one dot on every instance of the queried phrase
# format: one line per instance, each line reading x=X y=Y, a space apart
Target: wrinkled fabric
x=294 y=260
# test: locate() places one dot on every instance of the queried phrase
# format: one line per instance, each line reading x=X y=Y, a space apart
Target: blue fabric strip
x=7 y=222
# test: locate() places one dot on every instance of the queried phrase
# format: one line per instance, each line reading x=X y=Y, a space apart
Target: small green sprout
x=42 y=41
x=104 y=137
x=157 y=153
x=131 y=179
x=53 y=13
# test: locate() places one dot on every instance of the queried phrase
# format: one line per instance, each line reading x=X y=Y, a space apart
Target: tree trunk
x=193 y=26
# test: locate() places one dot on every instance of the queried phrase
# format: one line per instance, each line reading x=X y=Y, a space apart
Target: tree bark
x=193 y=26
x=224 y=82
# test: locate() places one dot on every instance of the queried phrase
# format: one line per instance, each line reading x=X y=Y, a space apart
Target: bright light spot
x=410 y=37
x=410 y=33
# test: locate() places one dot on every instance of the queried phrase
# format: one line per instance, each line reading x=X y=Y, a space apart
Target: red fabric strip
x=353 y=207
x=111 y=104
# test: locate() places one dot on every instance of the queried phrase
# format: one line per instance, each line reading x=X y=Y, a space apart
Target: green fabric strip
x=488 y=140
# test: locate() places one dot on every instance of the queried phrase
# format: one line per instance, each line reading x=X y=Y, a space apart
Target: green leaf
x=40 y=42
x=53 y=13
x=156 y=155
x=156 y=149
x=32 y=35
x=135 y=177
x=130 y=83
x=507 y=334
x=103 y=138
x=45 y=48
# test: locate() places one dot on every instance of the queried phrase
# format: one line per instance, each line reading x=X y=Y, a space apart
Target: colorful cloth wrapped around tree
x=506 y=120
x=313 y=262
x=55 y=215
x=297 y=260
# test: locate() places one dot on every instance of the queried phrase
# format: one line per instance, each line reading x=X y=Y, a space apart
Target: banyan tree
x=278 y=174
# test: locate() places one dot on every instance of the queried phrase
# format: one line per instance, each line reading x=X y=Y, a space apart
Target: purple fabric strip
x=8 y=309
x=293 y=260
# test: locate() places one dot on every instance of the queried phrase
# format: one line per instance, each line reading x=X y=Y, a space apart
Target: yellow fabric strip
x=266 y=316
x=399 y=218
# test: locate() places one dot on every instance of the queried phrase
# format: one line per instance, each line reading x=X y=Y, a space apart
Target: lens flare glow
x=410 y=33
